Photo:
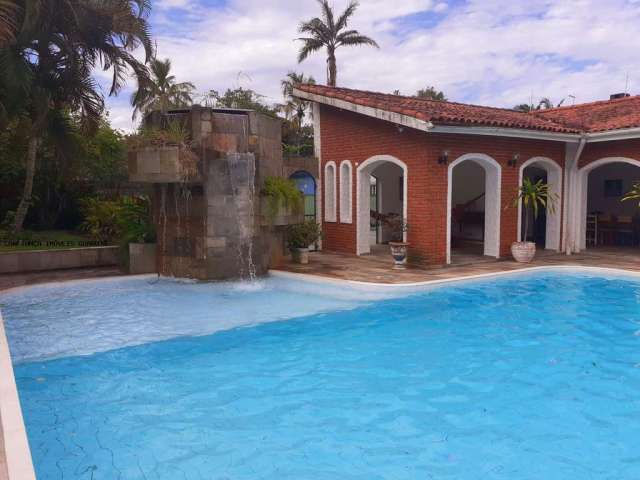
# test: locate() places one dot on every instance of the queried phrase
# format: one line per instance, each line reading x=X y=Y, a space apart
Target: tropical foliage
x=543 y=104
x=534 y=197
x=295 y=109
x=124 y=220
x=301 y=235
x=240 y=98
x=633 y=194
x=430 y=93
x=161 y=92
x=330 y=33
x=48 y=53
x=282 y=193
x=71 y=166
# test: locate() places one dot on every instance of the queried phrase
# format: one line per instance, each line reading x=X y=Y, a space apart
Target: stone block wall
x=213 y=228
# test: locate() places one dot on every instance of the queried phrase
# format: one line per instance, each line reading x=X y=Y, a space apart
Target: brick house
x=452 y=171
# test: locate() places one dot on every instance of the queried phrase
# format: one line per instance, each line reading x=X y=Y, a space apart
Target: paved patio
x=377 y=267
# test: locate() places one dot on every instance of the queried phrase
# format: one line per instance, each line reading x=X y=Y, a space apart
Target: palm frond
x=344 y=17
x=355 y=39
x=310 y=46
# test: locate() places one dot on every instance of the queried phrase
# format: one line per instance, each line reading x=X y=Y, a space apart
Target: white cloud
x=496 y=52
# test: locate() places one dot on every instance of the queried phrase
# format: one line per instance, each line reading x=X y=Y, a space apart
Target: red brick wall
x=621 y=148
x=349 y=136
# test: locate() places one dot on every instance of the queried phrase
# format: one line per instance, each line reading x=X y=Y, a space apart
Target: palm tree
x=48 y=65
x=328 y=33
x=161 y=92
x=9 y=11
x=294 y=108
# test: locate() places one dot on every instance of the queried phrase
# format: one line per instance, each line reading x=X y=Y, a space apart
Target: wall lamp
x=443 y=159
x=514 y=160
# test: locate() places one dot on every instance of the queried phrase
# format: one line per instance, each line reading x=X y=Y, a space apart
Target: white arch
x=554 y=180
x=330 y=175
x=582 y=187
x=493 y=188
x=346 y=182
x=363 y=188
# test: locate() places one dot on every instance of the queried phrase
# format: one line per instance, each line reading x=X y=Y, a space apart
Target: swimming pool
x=528 y=376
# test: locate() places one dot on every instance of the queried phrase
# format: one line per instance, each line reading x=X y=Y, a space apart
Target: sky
x=488 y=52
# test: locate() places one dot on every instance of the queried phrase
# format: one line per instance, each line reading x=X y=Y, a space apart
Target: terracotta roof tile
x=439 y=112
x=597 y=116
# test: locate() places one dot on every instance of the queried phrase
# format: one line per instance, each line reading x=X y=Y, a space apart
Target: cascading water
x=242 y=173
x=163 y=219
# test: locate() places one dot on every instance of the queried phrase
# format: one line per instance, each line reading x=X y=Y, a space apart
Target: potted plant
x=397 y=245
x=138 y=234
x=299 y=237
x=533 y=196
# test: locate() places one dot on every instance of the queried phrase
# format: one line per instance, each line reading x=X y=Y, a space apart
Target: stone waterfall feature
x=210 y=224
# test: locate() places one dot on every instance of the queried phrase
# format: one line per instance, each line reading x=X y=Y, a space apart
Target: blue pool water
x=524 y=377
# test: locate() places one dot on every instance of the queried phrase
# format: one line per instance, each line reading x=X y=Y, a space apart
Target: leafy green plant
x=101 y=218
x=135 y=222
x=301 y=235
x=398 y=227
x=534 y=196
x=282 y=193
x=126 y=220
x=633 y=194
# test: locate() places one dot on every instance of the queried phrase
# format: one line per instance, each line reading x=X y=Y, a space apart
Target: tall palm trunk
x=332 y=69
x=25 y=202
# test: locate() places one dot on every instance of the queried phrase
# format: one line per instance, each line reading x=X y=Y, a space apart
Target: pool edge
x=16 y=452
x=399 y=286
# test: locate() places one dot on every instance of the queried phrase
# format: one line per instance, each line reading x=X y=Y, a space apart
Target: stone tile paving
x=378 y=268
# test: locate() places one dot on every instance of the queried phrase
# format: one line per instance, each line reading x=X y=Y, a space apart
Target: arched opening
x=345 y=192
x=330 y=206
x=473 y=208
x=307 y=186
x=545 y=229
x=605 y=220
x=381 y=196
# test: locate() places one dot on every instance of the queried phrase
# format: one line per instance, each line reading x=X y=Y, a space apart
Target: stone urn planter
x=142 y=258
x=300 y=255
x=399 y=254
x=523 y=252
x=299 y=237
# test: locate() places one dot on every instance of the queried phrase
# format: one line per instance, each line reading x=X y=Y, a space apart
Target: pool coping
x=17 y=454
x=427 y=283
x=13 y=435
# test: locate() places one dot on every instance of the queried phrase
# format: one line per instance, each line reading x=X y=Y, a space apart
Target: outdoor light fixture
x=443 y=159
x=514 y=160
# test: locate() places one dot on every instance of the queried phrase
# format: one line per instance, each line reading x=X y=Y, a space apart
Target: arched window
x=345 y=192
x=330 y=192
x=307 y=186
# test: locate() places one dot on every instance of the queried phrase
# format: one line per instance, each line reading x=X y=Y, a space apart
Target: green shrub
x=301 y=235
x=135 y=222
x=126 y=220
x=282 y=193
x=100 y=218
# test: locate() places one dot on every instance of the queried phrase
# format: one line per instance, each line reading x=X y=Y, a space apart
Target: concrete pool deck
x=378 y=268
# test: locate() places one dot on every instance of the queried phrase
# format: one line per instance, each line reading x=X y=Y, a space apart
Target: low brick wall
x=42 y=260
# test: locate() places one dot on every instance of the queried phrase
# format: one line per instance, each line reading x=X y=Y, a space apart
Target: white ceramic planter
x=399 y=254
x=523 y=252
